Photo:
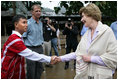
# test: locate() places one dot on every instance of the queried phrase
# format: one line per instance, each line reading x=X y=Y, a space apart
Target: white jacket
x=105 y=46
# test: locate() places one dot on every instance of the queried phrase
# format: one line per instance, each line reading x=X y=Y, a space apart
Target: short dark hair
x=17 y=18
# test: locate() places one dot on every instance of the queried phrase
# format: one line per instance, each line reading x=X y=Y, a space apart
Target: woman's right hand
x=86 y=58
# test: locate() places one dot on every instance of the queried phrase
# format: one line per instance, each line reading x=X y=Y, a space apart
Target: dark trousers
x=68 y=50
x=34 y=68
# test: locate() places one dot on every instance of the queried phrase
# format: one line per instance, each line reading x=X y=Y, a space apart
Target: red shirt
x=12 y=64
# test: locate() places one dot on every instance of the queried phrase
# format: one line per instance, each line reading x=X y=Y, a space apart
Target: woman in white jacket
x=96 y=54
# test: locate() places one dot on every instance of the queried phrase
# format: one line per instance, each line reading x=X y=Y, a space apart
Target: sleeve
x=56 y=27
x=68 y=57
x=74 y=30
x=97 y=60
x=17 y=46
x=65 y=31
x=58 y=32
x=34 y=56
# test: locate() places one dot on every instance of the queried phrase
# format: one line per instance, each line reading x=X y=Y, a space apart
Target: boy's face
x=21 y=25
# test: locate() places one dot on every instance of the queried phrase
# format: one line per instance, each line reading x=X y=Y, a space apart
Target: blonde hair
x=32 y=8
x=91 y=10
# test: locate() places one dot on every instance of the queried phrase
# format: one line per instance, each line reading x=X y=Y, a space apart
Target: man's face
x=21 y=25
x=36 y=12
x=48 y=20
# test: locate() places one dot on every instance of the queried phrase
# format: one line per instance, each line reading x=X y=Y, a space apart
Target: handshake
x=55 y=59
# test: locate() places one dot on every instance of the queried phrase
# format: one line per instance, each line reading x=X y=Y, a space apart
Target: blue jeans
x=54 y=45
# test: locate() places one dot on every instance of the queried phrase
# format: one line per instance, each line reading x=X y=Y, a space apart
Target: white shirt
x=31 y=55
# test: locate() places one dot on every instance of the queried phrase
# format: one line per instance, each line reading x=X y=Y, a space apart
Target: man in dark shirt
x=71 y=32
x=47 y=32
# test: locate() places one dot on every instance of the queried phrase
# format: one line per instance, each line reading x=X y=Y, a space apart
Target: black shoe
x=66 y=67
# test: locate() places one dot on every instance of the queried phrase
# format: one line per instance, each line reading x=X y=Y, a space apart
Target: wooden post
x=14 y=8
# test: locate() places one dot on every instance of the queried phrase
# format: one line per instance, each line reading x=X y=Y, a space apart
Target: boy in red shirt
x=14 y=51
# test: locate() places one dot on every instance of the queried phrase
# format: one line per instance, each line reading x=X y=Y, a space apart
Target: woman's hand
x=86 y=58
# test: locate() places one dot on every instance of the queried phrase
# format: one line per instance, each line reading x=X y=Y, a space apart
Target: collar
x=34 y=21
x=97 y=28
x=101 y=27
x=17 y=33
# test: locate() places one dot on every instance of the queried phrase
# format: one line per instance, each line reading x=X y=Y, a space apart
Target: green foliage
x=57 y=9
x=5 y=5
x=108 y=8
x=72 y=7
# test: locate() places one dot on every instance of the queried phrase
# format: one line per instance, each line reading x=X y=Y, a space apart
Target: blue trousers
x=54 y=45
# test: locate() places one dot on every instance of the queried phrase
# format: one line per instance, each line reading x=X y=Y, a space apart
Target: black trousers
x=34 y=69
x=68 y=50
